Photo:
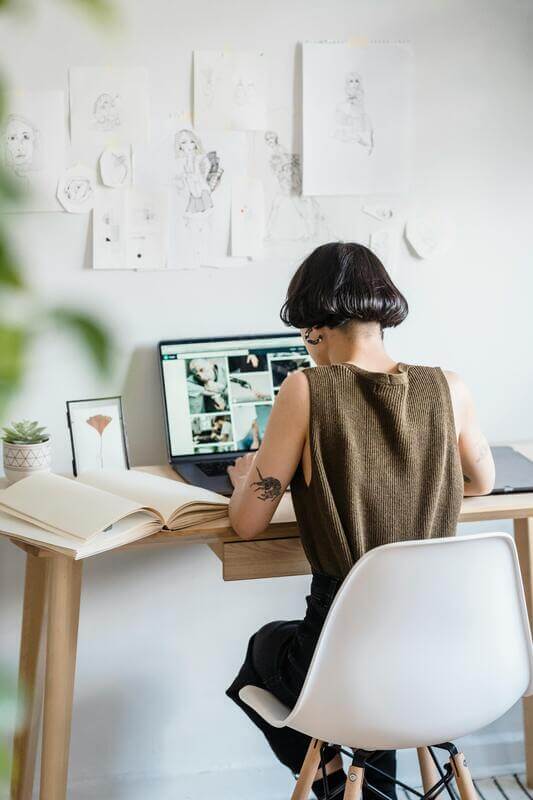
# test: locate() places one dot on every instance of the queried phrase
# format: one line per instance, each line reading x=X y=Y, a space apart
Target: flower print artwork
x=97 y=434
x=100 y=422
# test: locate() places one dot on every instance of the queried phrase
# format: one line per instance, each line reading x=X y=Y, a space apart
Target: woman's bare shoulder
x=295 y=388
x=457 y=385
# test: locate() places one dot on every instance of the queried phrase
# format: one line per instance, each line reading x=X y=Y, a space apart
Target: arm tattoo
x=466 y=478
x=267 y=488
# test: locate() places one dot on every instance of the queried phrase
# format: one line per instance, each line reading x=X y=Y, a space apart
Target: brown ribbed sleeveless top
x=385 y=463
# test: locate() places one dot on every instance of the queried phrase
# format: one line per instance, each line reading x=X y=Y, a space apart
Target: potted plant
x=26 y=450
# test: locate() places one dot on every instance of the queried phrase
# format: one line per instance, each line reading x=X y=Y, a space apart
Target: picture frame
x=97 y=434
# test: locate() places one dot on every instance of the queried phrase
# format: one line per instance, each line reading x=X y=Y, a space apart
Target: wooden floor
x=504 y=787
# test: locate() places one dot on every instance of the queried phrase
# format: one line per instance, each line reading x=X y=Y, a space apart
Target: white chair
x=426 y=641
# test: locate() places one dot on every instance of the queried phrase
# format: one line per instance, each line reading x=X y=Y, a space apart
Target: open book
x=102 y=510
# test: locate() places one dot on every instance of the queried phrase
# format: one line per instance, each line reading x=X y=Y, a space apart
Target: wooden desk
x=51 y=612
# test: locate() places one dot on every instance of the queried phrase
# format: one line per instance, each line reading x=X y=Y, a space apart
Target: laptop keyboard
x=214 y=467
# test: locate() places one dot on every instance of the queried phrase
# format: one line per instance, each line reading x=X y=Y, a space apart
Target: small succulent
x=25 y=432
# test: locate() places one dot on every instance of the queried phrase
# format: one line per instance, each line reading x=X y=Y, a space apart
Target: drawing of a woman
x=353 y=123
x=291 y=217
x=198 y=173
x=106 y=112
x=21 y=141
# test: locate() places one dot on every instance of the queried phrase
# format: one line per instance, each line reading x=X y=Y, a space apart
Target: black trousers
x=277 y=659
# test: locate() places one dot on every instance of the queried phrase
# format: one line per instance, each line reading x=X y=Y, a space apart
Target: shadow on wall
x=143 y=409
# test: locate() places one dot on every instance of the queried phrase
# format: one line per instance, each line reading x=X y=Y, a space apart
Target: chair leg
x=354 y=783
x=464 y=780
x=307 y=773
x=428 y=771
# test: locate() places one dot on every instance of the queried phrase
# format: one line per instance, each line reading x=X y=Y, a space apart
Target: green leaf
x=11 y=192
x=100 y=10
x=92 y=334
x=3 y=97
x=13 y=341
x=9 y=272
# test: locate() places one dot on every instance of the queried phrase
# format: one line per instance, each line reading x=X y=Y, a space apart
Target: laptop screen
x=218 y=394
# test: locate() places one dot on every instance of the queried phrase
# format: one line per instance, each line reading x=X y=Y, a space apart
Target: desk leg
x=31 y=677
x=62 y=636
x=523 y=531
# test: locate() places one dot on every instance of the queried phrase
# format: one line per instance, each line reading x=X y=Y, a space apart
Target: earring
x=307 y=337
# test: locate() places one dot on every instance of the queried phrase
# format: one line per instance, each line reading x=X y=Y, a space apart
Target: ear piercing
x=307 y=337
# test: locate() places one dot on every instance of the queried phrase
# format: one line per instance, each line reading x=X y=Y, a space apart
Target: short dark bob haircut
x=340 y=282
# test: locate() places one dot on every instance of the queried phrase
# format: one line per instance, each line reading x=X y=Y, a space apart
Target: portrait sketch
x=33 y=147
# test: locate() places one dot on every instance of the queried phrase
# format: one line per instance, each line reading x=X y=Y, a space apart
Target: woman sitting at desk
x=375 y=451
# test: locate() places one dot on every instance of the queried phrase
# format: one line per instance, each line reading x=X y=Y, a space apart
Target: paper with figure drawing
x=197 y=168
x=293 y=223
x=130 y=229
x=230 y=90
x=108 y=106
x=356 y=118
x=33 y=147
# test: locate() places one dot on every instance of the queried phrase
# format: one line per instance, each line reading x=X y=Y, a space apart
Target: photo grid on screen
x=230 y=397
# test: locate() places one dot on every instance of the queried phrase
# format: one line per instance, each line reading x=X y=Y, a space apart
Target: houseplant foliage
x=17 y=331
x=25 y=432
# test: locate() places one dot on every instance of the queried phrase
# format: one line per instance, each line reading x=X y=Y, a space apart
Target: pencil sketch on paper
x=291 y=216
x=109 y=237
x=229 y=90
x=245 y=92
x=130 y=229
x=356 y=118
x=146 y=229
x=75 y=189
x=353 y=125
x=32 y=147
x=115 y=166
x=21 y=143
x=106 y=112
x=108 y=106
x=196 y=177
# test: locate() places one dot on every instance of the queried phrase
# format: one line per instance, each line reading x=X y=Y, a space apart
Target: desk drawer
x=267 y=558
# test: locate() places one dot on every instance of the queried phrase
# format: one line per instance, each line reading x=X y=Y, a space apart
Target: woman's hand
x=240 y=470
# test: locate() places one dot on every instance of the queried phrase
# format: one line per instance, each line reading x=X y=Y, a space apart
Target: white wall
x=161 y=635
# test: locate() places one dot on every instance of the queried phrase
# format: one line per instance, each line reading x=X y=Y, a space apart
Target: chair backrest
x=425 y=642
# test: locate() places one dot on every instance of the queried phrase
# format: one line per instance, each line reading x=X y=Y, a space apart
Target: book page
x=134 y=526
x=65 y=506
x=164 y=494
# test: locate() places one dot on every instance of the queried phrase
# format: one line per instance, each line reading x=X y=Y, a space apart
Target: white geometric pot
x=21 y=460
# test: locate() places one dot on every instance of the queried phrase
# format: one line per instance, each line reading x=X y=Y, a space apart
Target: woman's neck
x=362 y=346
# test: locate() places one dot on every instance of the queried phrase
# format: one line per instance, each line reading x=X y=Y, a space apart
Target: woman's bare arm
x=260 y=479
x=474 y=450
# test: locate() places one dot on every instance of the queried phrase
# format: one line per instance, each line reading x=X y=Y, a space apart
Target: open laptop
x=514 y=471
x=217 y=396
